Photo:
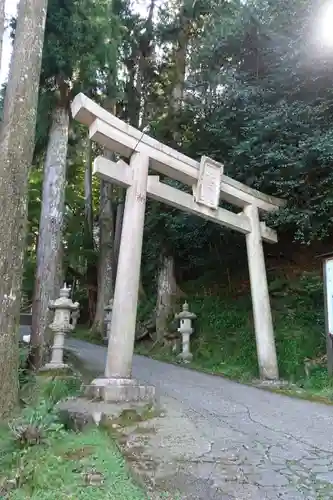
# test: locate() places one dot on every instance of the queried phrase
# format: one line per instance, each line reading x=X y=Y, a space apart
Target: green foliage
x=81 y=53
x=257 y=97
x=224 y=343
x=224 y=340
x=146 y=308
x=26 y=378
x=258 y=100
x=61 y=469
x=89 y=335
x=79 y=43
x=40 y=460
x=270 y=123
x=35 y=424
x=60 y=388
x=39 y=419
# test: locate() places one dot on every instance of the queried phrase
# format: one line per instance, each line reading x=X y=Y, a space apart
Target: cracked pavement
x=223 y=440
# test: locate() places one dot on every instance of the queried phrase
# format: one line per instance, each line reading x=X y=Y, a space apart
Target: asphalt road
x=272 y=446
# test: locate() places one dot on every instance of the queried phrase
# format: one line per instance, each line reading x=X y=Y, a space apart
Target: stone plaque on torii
x=207 y=190
x=209 y=185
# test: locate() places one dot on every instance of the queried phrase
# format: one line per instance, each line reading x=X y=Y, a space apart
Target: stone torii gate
x=209 y=185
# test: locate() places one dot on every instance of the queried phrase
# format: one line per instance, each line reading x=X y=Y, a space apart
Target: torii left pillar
x=117 y=384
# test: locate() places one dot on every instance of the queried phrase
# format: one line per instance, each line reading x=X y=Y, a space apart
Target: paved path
x=263 y=445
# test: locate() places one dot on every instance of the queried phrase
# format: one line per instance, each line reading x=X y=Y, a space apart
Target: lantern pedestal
x=185 y=356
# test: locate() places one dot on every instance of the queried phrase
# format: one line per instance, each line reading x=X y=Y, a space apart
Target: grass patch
x=83 y=333
x=41 y=460
x=69 y=465
x=224 y=340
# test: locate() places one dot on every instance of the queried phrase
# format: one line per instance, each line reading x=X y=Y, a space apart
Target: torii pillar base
x=120 y=390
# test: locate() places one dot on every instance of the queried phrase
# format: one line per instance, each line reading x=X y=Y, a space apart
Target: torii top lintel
x=123 y=139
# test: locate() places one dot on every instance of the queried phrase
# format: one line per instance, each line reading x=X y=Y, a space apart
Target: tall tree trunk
x=2 y=25
x=105 y=265
x=50 y=231
x=60 y=272
x=166 y=293
x=117 y=239
x=89 y=244
x=180 y=53
x=117 y=232
x=167 y=286
x=88 y=208
x=180 y=68
x=138 y=66
x=106 y=219
x=16 y=152
x=144 y=66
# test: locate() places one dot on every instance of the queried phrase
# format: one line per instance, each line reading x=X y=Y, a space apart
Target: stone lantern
x=185 y=318
x=107 y=319
x=62 y=324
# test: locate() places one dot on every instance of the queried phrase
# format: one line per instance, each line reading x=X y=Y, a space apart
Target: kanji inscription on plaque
x=209 y=183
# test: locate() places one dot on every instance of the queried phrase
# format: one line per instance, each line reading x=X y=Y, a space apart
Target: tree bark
x=50 y=231
x=89 y=244
x=88 y=209
x=60 y=272
x=167 y=287
x=180 y=61
x=166 y=293
x=16 y=152
x=143 y=77
x=2 y=26
x=117 y=238
x=117 y=232
x=105 y=265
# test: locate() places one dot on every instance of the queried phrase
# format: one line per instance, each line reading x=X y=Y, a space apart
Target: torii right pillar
x=263 y=323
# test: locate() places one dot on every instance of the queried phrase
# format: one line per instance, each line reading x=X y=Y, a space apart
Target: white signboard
x=329 y=294
x=209 y=183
